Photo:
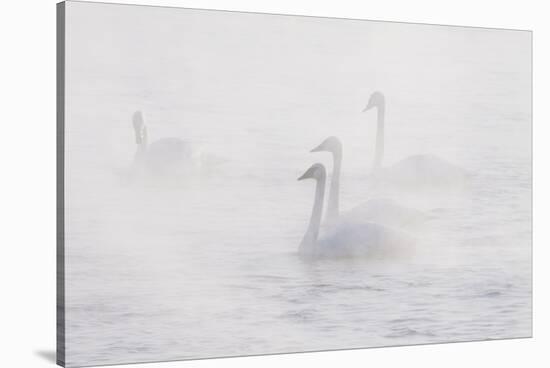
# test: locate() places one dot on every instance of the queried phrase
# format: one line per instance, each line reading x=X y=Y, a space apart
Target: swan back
x=425 y=174
x=386 y=212
x=361 y=239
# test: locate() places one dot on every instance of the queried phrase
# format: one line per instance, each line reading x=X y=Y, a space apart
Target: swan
x=419 y=172
x=161 y=155
x=382 y=211
x=342 y=239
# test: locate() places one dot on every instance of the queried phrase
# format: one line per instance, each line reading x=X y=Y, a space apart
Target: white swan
x=383 y=211
x=342 y=239
x=161 y=155
x=421 y=173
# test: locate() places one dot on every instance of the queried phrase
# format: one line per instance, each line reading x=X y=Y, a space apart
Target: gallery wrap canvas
x=238 y=184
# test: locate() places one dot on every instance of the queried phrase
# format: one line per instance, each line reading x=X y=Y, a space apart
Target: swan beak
x=313 y=172
x=319 y=148
x=305 y=176
x=367 y=108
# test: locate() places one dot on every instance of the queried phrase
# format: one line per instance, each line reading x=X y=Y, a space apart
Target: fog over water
x=203 y=261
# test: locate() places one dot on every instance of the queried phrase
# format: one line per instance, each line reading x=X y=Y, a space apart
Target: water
x=204 y=263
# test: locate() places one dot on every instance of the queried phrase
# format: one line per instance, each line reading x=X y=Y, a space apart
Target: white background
x=27 y=181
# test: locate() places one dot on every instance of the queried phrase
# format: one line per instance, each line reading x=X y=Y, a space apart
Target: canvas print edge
x=60 y=177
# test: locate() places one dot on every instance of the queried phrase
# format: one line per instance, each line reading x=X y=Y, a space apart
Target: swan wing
x=357 y=240
x=385 y=212
x=168 y=151
x=425 y=172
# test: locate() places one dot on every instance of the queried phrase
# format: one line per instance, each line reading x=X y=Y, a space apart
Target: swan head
x=316 y=171
x=331 y=144
x=376 y=100
x=139 y=127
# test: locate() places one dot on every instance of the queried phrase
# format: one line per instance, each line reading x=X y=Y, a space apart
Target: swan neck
x=144 y=138
x=334 y=193
x=379 y=150
x=312 y=233
x=142 y=146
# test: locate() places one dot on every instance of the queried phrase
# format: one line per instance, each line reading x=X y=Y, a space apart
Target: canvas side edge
x=60 y=182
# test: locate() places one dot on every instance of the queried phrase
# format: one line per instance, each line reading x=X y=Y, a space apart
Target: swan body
x=423 y=173
x=342 y=239
x=387 y=212
x=162 y=155
x=381 y=211
x=358 y=239
x=168 y=151
x=419 y=172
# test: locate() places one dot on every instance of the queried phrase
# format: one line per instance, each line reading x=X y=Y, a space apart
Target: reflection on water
x=203 y=262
